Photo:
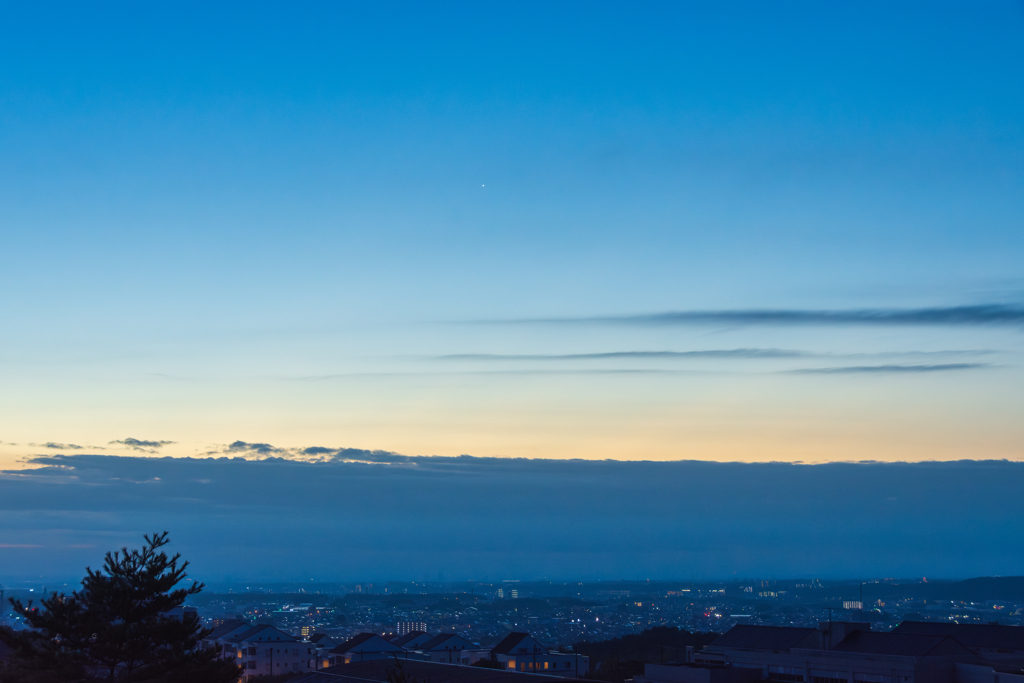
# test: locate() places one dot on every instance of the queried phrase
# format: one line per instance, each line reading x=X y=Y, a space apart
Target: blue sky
x=279 y=224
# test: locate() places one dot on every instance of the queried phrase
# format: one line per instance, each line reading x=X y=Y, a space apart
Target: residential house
x=219 y=635
x=520 y=651
x=266 y=651
x=413 y=640
x=363 y=647
x=320 y=645
x=849 y=652
x=447 y=648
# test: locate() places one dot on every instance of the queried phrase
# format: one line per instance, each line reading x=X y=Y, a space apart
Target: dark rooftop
x=351 y=644
x=438 y=640
x=5 y=651
x=749 y=637
x=248 y=635
x=509 y=642
x=227 y=627
x=901 y=644
x=403 y=639
x=992 y=636
x=377 y=670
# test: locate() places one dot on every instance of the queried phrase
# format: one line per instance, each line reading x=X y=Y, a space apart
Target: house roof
x=226 y=628
x=361 y=642
x=901 y=644
x=255 y=631
x=376 y=671
x=355 y=642
x=411 y=635
x=317 y=637
x=439 y=641
x=993 y=636
x=749 y=637
x=509 y=643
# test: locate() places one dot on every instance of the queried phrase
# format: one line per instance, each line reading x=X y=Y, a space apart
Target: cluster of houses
x=265 y=650
x=850 y=652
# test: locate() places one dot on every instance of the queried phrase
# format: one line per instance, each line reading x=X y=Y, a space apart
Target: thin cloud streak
x=954 y=316
x=741 y=354
x=652 y=355
x=588 y=371
x=890 y=369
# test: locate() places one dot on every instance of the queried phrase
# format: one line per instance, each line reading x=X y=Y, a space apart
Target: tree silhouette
x=400 y=675
x=118 y=626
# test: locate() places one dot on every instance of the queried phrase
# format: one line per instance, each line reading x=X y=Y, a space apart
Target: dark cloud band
x=957 y=316
x=375 y=514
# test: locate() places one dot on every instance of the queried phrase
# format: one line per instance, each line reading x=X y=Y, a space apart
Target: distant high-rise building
x=404 y=627
x=514 y=593
x=501 y=593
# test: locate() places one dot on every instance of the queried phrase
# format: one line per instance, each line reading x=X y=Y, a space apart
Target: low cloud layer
x=361 y=514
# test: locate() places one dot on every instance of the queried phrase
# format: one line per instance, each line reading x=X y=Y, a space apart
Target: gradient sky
x=461 y=228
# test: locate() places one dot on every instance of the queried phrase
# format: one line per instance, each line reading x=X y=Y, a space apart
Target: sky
x=707 y=231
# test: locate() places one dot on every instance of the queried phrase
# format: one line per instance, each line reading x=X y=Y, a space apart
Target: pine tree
x=117 y=627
